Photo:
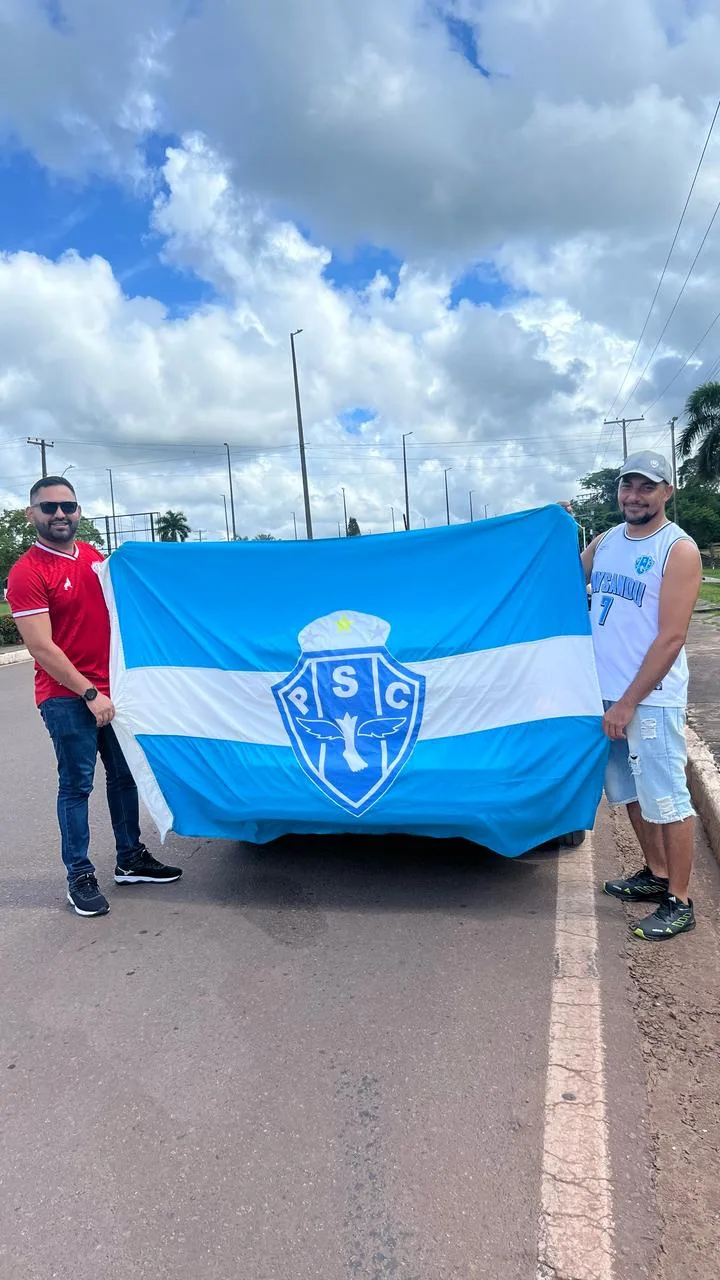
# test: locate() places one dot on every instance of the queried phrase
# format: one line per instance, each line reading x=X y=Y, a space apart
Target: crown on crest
x=344 y=630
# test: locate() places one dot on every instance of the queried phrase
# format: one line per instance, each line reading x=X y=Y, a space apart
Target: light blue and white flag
x=438 y=682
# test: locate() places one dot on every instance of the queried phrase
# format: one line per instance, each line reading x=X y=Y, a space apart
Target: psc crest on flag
x=351 y=710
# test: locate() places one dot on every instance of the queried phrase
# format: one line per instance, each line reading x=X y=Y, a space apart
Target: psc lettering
x=344 y=684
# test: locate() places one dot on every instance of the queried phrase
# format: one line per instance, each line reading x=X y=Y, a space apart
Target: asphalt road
x=320 y=1059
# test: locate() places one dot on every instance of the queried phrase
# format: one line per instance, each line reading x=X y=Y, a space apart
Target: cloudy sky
x=465 y=206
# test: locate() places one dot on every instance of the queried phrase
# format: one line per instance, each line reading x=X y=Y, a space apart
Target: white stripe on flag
x=469 y=693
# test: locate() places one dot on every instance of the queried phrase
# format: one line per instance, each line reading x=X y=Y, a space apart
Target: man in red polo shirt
x=60 y=612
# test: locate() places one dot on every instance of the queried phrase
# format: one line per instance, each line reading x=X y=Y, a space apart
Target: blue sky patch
x=359 y=270
x=482 y=284
x=54 y=12
x=49 y=215
x=353 y=420
x=464 y=40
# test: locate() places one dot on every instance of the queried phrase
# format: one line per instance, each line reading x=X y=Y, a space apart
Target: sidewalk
x=703 y=649
x=12 y=653
x=703 y=735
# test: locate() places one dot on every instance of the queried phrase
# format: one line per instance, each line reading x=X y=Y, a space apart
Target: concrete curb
x=704 y=782
x=17 y=655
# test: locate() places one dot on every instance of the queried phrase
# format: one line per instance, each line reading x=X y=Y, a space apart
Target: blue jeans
x=77 y=741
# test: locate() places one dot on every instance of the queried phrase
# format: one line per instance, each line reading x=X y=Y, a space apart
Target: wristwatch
x=90 y=694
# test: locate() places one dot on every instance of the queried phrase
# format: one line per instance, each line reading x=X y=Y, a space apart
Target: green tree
x=87 y=532
x=703 y=430
x=596 y=508
x=16 y=535
x=265 y=537
x=173 y=527
x=699 y=513
x=353 y=528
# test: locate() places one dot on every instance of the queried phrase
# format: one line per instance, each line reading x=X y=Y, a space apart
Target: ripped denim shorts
x=649 y=765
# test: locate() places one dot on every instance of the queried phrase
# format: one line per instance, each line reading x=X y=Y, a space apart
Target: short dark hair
x=47 y=482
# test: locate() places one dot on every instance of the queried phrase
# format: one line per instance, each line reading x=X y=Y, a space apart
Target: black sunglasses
x=49 y=508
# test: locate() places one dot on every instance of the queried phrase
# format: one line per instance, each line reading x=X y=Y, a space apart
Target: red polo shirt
x=65 y=586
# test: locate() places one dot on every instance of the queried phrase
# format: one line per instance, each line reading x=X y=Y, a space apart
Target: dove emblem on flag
x=352 y=712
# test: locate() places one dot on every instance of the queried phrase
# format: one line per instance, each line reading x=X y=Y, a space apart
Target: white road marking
x=576 y=1238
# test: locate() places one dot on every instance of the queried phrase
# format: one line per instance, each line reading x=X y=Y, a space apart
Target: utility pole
x=112 y=504
x=227 y=526
x=200 y=533
x=471 y=506
x=392 y=513
x=624 y=423
x=447 y=496
x=232 y=495
x=344 y=509
x=301 y=438
x=486 y=511
x=295 y=525
x=407 y=499
x=674 y=466
x=42 y=445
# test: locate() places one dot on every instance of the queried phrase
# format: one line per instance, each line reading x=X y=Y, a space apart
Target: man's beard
x=649 y=515
x=60 y=535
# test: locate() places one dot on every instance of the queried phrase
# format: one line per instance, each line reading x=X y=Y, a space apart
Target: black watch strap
x=90 y=695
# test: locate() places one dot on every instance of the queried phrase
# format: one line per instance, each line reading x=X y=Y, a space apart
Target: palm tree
x=173 y=527
x=703 y=426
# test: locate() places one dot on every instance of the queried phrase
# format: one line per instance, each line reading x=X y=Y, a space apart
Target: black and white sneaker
x=142 y=868
x=85 y=897
x=671 y=918
x=643 y=886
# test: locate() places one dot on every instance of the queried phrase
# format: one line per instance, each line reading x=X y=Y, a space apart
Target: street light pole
x=344 y=509
x=470 y=495
x=112 y=504
x=232 y=495
x=295 y=525
x=227 y=526
x=674 y=466
x=392 y=513
x=301 y=438
x=405 y=474
x=447 y=496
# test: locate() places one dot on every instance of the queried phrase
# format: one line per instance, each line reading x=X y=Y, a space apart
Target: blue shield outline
x=351 y=746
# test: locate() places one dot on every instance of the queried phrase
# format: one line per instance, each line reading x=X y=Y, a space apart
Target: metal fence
x=138 y=526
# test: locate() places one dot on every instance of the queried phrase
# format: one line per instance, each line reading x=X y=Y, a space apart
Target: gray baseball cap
x=653 y=465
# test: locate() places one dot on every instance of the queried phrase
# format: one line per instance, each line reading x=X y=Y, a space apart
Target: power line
x=554 y=452
x=674 y=307
x=667 y=261
x=685 y=362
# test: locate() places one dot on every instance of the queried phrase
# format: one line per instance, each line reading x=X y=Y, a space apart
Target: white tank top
x=626 y=580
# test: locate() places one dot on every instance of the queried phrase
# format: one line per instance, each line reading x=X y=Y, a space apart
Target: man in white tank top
x=645 y=577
